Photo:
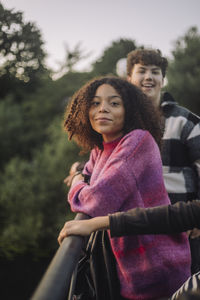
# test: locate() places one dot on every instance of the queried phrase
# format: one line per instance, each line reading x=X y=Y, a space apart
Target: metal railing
x=55 y=284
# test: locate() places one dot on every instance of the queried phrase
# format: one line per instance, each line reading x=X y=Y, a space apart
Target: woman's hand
x=77 y=177
x=75 y=227
x=83 y=227
x=72 y=173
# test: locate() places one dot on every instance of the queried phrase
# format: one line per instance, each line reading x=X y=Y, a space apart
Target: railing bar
x=55 y=283
x=73 y=283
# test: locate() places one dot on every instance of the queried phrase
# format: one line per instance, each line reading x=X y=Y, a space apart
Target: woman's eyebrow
x=114 y=96
x=109 y=97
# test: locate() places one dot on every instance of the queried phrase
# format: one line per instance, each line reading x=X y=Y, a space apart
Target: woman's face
x=107 y=113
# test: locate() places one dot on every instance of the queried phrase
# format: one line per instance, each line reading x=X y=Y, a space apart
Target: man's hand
x=194 y=233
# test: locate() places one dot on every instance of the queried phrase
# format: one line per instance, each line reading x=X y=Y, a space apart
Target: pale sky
x=96 y=23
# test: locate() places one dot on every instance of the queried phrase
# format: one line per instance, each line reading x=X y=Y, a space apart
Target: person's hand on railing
x=193 y=233
x=83 y=227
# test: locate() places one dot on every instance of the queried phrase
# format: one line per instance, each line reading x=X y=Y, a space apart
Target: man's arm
x=157 y=220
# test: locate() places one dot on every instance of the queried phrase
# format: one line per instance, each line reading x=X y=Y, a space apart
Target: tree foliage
x=11 y=130
x=72 y=57
x=32 y=204
x=35 y=154
x=184 y=70
x=21 y=53
x=106 y=64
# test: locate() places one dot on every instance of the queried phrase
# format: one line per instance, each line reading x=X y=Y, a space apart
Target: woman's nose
x=103 y=107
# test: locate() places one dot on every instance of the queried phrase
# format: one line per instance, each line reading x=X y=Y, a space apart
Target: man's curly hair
x=140 y=113
x=146 y=57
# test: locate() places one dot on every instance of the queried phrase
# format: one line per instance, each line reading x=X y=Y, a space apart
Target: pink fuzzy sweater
x=128 y=174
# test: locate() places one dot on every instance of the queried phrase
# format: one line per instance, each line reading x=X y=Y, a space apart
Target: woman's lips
x=103 y=119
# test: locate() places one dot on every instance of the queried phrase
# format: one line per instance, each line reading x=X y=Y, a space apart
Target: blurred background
x=48 y=50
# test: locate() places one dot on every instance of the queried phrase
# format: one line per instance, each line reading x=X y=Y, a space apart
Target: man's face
x=149 y=79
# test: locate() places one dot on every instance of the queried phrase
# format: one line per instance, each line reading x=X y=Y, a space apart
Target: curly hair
x=140 y=113
x=146 y=57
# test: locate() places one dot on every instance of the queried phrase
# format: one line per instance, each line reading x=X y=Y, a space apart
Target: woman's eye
x=95 y=103
x=113 y=103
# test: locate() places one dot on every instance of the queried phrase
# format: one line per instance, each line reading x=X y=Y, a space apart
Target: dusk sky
x=96 y=24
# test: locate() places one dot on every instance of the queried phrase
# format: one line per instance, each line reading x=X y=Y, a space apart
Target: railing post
x=55 y=283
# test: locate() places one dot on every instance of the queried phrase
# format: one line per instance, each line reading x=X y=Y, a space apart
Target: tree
x=72 y=57
x=21 y=53
x=184 y=70
x=107 y=62
x=33 y=197
x=11 y=130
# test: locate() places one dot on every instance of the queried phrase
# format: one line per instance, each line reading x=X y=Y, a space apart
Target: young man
x=146 y=68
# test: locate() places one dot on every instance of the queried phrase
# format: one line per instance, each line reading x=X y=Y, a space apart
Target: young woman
x=119 y=124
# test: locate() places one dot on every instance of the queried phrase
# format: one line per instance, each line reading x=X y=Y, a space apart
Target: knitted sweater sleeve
x=157 y=220
x=89 y=166
x=116 y=187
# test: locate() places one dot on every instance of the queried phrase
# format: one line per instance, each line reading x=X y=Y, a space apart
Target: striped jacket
x=181 y=151
x=191 y=285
